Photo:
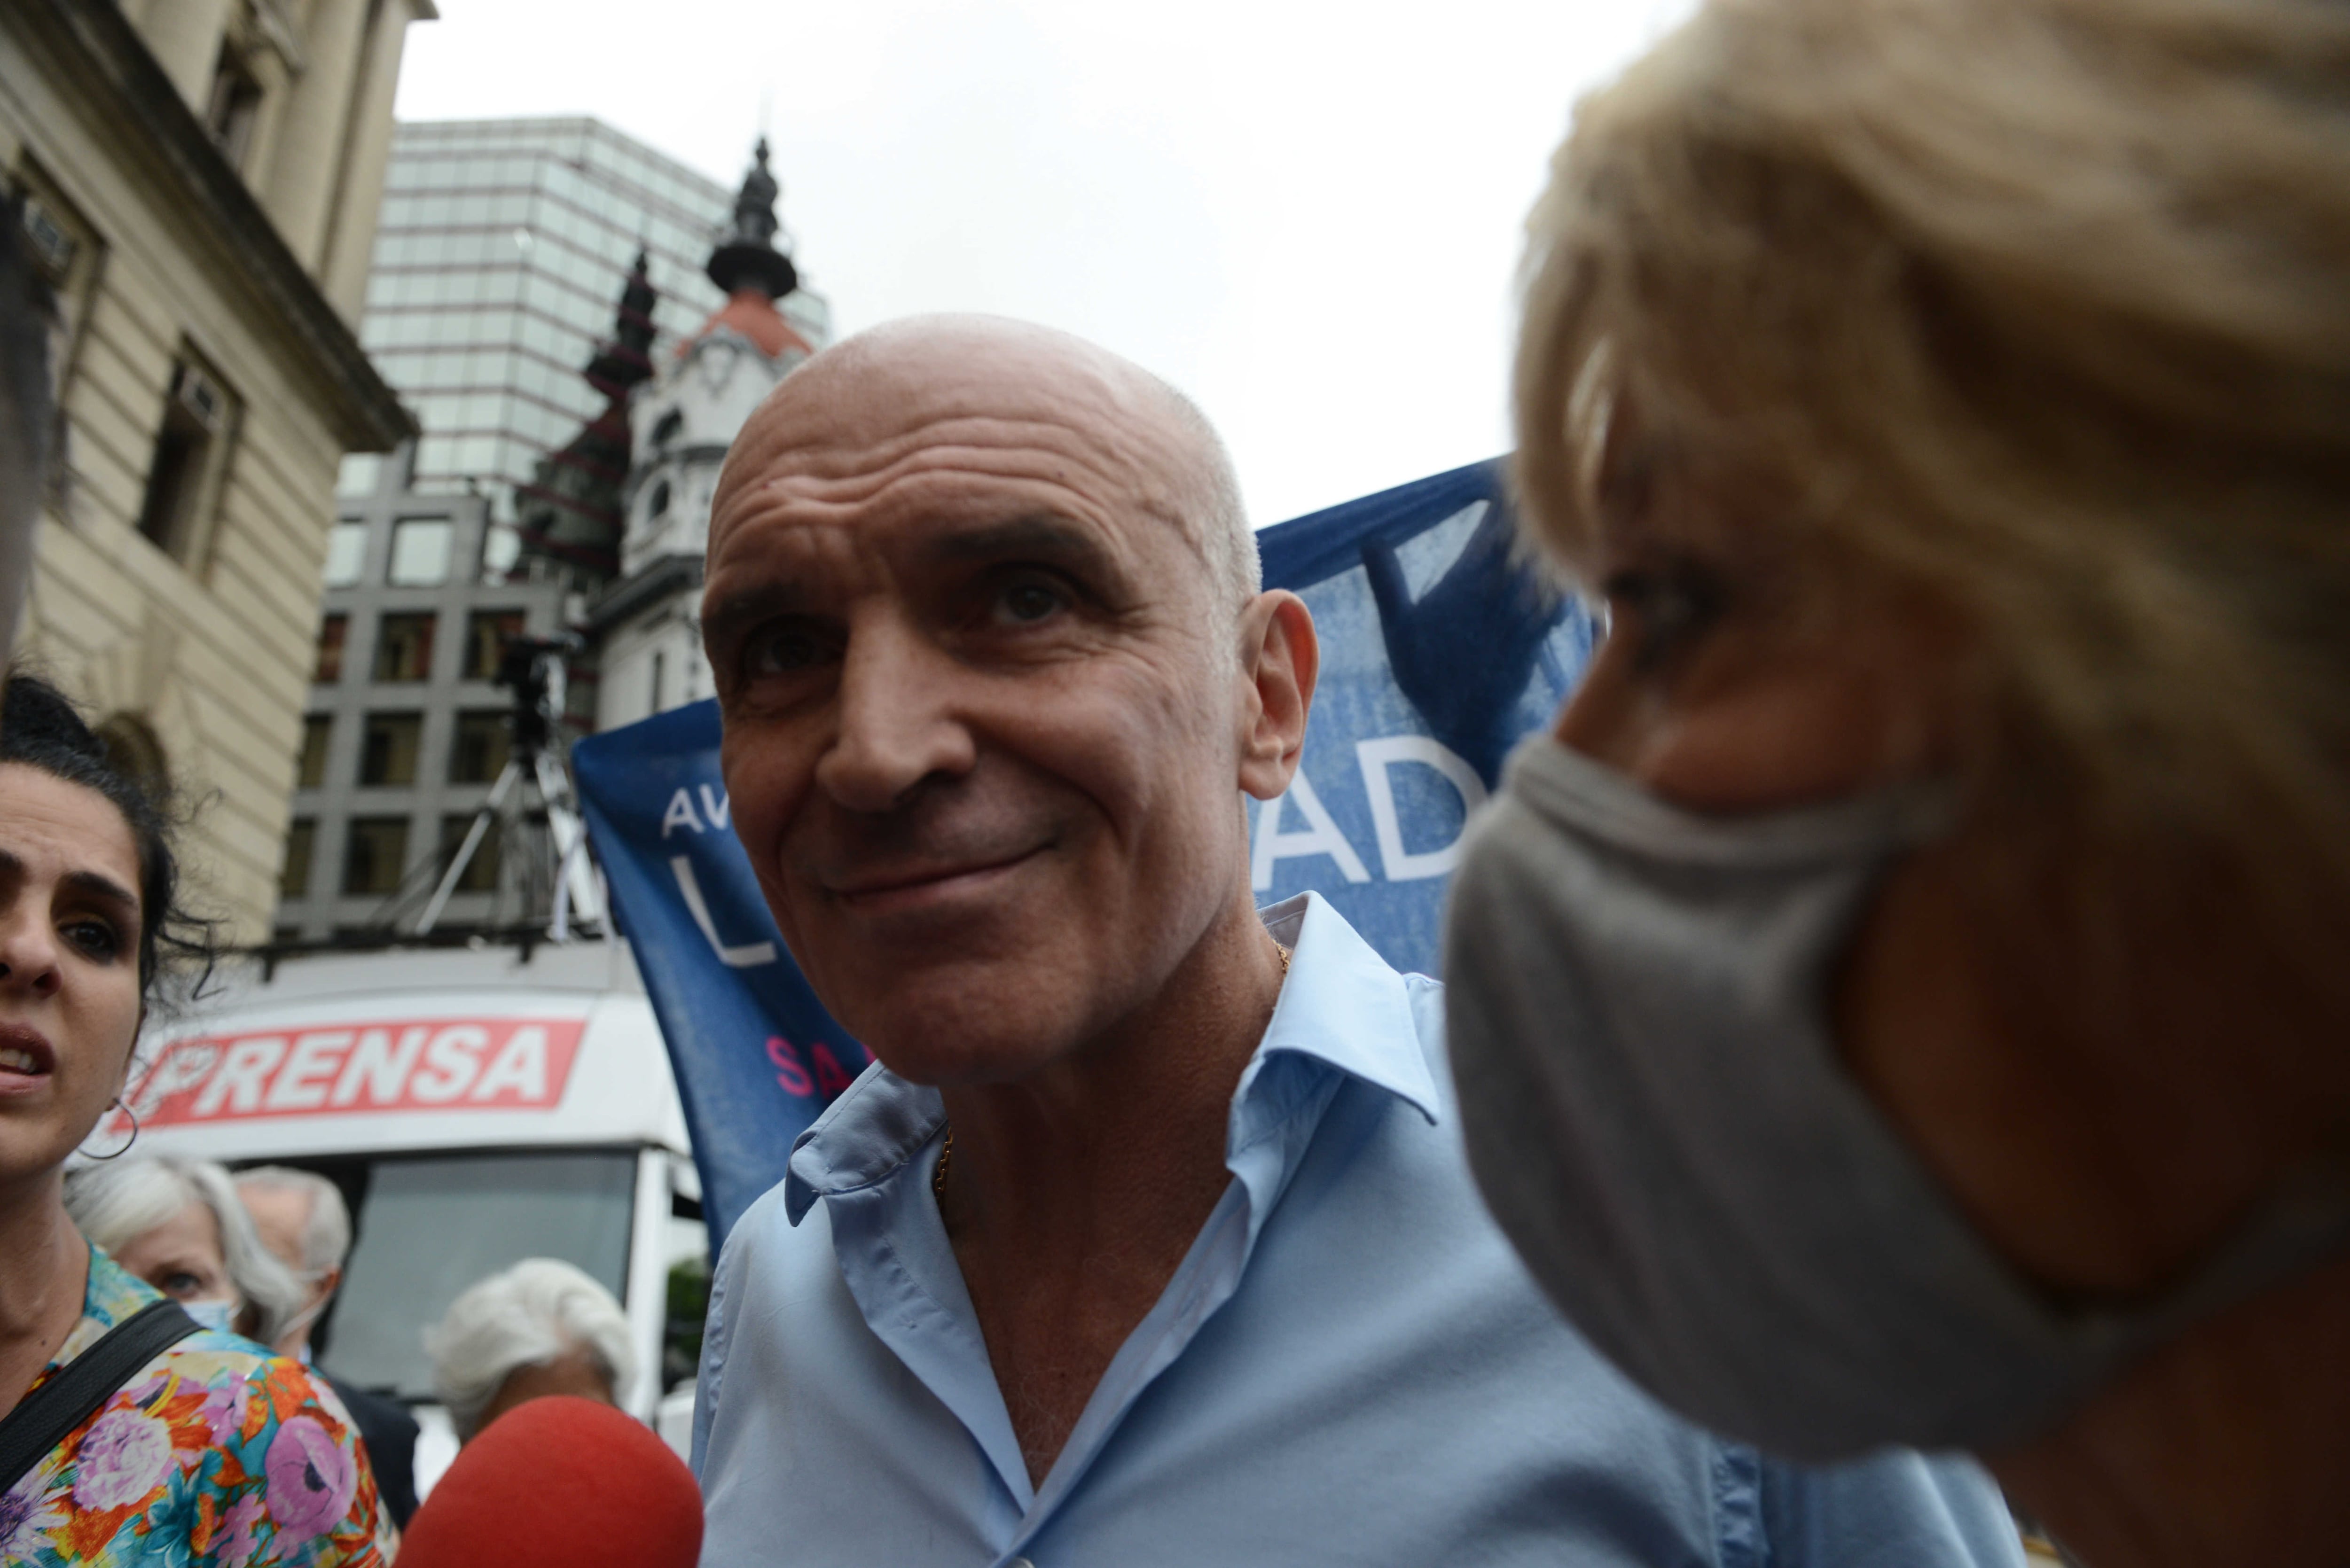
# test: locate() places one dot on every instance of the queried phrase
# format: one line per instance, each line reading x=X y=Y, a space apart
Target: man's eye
x=786 y=650
x=1026 y=603
x=1669 y=609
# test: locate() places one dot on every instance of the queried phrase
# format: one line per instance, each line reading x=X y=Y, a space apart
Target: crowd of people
x=1892 y=1032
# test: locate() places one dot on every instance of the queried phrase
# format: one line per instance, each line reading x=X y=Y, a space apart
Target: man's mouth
x=911 y=885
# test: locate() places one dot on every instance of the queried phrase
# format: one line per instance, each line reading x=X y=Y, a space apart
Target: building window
x=361 y=473
x=318 y=729
x=236 y=101
x=346 y=554
x=481 y=871
x=403 y=648
x=420 y=552
x=332 y=632
x=293 y=879
x=478 y=752
x=183 y=482
x=388 y=753
x=374 y=853
x=66 y=251
x=501 y=548
x=486 y=635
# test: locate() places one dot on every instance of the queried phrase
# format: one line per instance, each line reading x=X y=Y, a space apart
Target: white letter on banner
x=1375 y=757
x=1321 y=836
x=717 y=807
x=749 y=955
x=680 y=814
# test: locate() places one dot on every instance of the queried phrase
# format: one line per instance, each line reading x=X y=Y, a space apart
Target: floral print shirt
x=216 y=1454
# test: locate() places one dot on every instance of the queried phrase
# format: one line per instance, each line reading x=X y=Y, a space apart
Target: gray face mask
x=1637 y=999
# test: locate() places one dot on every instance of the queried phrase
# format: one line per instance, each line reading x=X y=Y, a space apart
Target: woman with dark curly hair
x=127 y=1433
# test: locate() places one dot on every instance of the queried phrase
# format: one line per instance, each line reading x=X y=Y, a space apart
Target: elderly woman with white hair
x=541 y=1327
x=178 y=1225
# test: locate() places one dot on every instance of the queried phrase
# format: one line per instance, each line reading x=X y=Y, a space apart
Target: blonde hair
x=2040 y=308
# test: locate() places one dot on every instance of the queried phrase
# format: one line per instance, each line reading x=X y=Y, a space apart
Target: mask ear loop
x=118 y=1153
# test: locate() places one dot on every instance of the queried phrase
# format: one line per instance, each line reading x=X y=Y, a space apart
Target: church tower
x=683 y=424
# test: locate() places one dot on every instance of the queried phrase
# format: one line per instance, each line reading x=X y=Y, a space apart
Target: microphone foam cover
x=560 y=1480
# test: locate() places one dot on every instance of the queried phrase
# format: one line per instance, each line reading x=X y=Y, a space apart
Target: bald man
x=1148 y=1238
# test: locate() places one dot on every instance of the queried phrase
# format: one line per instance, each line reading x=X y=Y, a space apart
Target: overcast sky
x=1303 y=213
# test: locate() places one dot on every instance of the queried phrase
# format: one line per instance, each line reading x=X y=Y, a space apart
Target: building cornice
x=91 y=43
x=655 y=580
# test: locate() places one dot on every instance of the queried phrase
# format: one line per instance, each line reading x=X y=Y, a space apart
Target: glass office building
x=499 y=259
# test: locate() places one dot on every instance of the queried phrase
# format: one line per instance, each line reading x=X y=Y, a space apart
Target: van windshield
x=427 y=1226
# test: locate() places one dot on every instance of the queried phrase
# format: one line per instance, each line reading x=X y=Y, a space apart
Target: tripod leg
x=474 y=836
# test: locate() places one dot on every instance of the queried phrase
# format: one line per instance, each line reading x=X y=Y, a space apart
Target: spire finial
x=748 y=257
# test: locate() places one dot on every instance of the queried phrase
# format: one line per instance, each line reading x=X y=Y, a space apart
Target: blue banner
x=1439 y=651
x=755 y=1055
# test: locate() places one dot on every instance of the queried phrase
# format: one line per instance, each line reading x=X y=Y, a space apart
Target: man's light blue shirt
x=1349 y=1367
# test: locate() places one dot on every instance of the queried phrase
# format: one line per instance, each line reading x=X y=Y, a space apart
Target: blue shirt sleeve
x=1898 y=1508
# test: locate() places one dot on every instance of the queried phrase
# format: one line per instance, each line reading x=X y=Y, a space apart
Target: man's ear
x=1280 y=658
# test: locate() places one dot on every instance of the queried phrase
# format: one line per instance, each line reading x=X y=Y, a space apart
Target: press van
x=476 y=1106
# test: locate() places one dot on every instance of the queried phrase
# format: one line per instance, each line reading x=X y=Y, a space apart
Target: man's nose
x=898 y=724
x=28 y=953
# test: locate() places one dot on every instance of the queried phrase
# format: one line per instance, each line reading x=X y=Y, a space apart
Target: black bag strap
x=48 y=1416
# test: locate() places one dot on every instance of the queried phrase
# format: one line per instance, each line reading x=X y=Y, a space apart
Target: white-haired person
x=178 y=1225
x=540 y=1328
x=303 y=1221
x=1908 y=999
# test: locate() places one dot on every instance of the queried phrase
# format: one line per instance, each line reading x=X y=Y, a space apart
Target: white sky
x=1305 y=214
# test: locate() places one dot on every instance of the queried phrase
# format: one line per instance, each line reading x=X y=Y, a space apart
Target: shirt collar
x=1341 y=1008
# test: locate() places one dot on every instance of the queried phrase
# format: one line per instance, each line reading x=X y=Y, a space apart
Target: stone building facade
x=199 y=182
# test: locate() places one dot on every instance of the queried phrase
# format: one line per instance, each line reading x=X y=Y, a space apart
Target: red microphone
x=560 y=1480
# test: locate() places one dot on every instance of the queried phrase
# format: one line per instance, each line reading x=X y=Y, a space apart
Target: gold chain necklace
x=946 y=1149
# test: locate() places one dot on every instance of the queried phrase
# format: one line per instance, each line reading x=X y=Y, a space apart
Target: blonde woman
x=1908 y=999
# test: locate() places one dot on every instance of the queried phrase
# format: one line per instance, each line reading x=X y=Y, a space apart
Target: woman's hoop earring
x=118 y=1153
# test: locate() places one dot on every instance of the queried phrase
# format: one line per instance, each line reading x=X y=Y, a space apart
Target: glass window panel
x=477 y=454
x=403 y=648
x=332 y=632
x=294 y=877
x=388 y=748
x=358 y=476
x=310 y=766
x=480 y=873
x=479 y=746
x=487 y=633
x=375 y=853
x=420 y=552
x=346 y=553
x=429 y=1227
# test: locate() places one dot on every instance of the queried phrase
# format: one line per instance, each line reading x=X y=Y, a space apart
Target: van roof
x=406 y=1051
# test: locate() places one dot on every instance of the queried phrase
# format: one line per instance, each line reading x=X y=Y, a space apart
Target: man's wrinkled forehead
x=920 y=392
